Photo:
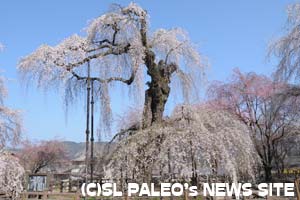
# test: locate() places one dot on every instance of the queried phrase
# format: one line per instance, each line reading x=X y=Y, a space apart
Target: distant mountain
x=76 y=150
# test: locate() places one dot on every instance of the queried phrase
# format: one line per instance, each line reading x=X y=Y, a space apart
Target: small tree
x=258 y=102
x=35 y=157
x=120 y=48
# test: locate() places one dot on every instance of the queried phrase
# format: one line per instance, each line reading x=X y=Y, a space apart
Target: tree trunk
x=157 y=94
x=268 y=173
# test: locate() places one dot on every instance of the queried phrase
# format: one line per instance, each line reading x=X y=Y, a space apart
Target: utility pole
x=87 y=131
x=89 y=161
x=92 y=132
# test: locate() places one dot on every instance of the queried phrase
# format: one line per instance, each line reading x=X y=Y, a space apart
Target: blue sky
x=230 y=33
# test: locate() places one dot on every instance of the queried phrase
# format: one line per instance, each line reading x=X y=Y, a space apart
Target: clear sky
x=231 y=33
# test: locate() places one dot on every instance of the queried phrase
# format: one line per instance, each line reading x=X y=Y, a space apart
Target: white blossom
x=48 y=64
x=286 y=48
x=194 y=136
x=11 y=175
x=116 y=45
x=293 y=12
x=10 y=120
x=11 y=172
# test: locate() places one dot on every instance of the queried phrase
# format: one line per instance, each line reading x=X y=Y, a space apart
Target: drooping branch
x=10 y=119
x=138 y=154
x=111 y=51
x=120 y=48
x=287 y=48
x=114 y=51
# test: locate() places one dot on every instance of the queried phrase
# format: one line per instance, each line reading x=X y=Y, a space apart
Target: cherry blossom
x=121 y=49
x=264 y=106
x=11 y=175
x=195 y=141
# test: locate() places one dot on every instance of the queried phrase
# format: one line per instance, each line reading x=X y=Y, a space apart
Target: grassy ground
x=157 y=198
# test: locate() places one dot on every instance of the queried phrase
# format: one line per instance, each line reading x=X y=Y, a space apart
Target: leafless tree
x=35 y=157
x=259 y=102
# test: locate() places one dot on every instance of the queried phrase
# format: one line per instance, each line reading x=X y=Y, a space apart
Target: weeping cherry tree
x=195 y=141
x=11 y=172
x=121 y=49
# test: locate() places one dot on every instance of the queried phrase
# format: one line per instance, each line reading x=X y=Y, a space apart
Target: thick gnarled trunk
x=157 y=94
x=155 y=99
x=159 y=90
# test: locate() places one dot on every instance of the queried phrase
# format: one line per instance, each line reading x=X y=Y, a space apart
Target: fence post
x=77 y=196
x=45 y=195
x=297 y=182
x=186 y=195
x=126 y=197
x=23 y=196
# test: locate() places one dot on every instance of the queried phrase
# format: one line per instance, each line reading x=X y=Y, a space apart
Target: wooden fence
x=77 y=196
x=50 y=195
